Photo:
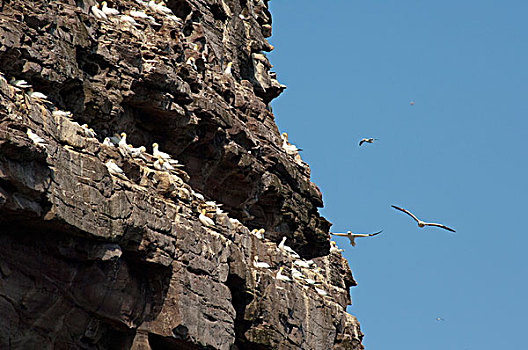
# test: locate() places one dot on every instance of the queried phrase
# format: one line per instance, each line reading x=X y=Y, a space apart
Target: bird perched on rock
x=260 y=265
x=114 y=169
x=88 y=132
x=37 y=95
x=420 y=222
x=205 y=220
x=279 y=276
x=370 y=140
x=165 y=156
x=108 y=10
x=191 y=61
x=229 y=69
x=20 y=83
x=58 y=113
x=162 y=165
x=108 y=142
x=288 y=147
x=352 y=236
x=97 y=13
x=37 y=140
x=287 y=249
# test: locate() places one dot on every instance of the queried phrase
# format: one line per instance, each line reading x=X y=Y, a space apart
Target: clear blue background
x=458 y=156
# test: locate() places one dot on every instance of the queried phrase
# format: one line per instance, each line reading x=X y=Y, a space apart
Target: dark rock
x=92 y=260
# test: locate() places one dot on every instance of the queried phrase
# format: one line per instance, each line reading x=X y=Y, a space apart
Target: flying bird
x=370 y=140
x=352 y=236
x=420 y=222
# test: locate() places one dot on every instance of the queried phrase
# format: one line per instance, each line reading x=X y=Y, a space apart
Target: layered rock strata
x=93 y=259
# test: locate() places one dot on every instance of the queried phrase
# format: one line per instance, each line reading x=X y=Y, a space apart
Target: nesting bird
x=97 y=13
x=37 y=140
x=205 y=220
x=88 y=132
x=420 y=222
x=20 y=83
x=37 y=95
x=279 y=276
x=114 y=169
x=288 y=147
x=370 y=140
x=352 y=236
x=229 y=69
x=108 y=10
x=260 y=265
x=287 y=249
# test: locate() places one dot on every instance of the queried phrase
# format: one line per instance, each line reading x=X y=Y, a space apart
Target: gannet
x=122 y=142
x=162 y=9
x=128 y=19
x=192 y=62
x=370 y=140
x=205 y=220
x=165 y=156
x=420 y=222
x=260 y=233
x=287 y=249
x=162 y=165
x=296 y=274
x=259 y=264
x=439 y=319
x=107 y=142
x=309 y=281
x=21 y=83
x=138 y=14
x=302 y=263
x=114 y=169
x=97 y=13
x=37 y=95
x=334 y=248
x=88 y=132
x=288 y=147
x=321 y=292
x=136 y=152
x=58 y=113
x=108 y=10
x=37 y=140
x=229 y=69
x=279 y=276
x=352 y=236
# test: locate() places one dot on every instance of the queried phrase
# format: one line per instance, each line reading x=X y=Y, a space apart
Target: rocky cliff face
x=96 y=260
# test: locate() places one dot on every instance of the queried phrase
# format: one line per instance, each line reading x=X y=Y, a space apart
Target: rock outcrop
x=97 y=260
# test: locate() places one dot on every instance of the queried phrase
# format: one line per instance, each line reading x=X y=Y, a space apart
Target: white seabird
x=114 y=169
x=108 y=10
x=229 y=69
x=352 y=236
x=334 y=248
x=37 y=140
x=191 y=61
x=162 y=9
x=129 y=20
x=288 y=147
x=165 y=156
x=20 y=83
x=138 y=14
x=297 y=274
x=108 y=142
x=136 y=152
x=370 y=140
x=259 y=264
x=205 y=220
x=98 y=13
x=302 y=263
x=422 y=223
x=123 y=143
x=88 y=132
x=37 y=95
x=162 y=165
x=58 y=113
x=279 y=276
x=321 y=292
x=287 y=249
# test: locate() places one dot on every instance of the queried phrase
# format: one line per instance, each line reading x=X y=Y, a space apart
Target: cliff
x=96 y=260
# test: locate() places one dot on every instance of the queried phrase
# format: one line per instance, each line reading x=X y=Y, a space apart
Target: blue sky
x=458 y=156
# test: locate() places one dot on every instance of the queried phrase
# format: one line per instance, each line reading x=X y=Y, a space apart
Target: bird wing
x=406 y=212
x=340 y=234
x=439 y=225
x=361 y=142
x=367 y=234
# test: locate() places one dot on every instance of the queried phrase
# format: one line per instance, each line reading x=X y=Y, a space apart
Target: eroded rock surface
x=93 y=260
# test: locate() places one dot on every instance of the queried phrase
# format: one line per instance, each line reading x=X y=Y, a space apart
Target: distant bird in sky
x=420 y=222
x=352 y=236
x=370 y=140
x=439 y=319
x=411 y=103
